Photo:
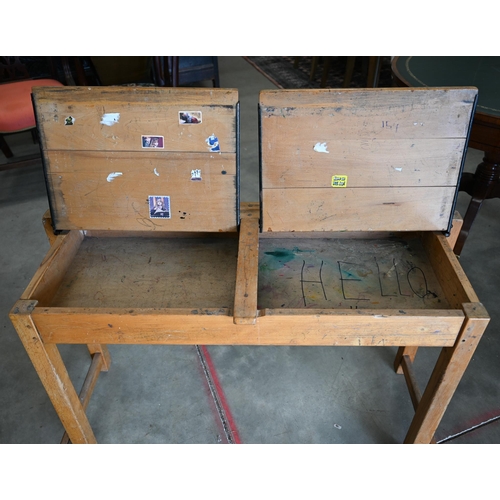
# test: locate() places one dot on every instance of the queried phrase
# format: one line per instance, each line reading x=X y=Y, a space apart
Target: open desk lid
x=362 y=159
x=140 y=158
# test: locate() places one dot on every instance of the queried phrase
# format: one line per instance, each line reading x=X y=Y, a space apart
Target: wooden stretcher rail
x=89 y=384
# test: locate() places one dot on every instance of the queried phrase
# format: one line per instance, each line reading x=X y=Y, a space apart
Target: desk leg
x=52 y=372
x=482 y=185
x=446 y=375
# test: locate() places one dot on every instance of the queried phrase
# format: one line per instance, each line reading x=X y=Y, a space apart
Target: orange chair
x=16 y=108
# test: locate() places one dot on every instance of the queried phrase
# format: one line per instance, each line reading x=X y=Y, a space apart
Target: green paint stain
x=277 y=258
x=282 y=254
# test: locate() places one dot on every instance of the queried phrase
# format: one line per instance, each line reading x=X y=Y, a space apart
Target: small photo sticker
x=189 y=117
x=159 y=207
x=339 y=181
x=152 y=141
x=213 y=143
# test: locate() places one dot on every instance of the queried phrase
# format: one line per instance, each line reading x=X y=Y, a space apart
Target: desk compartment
x=150 y=273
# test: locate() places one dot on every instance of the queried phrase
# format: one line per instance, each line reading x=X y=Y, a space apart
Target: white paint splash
x=399 y=169
x=110 y=119
x=113 y=176
x=156 y=173
x=320 y=147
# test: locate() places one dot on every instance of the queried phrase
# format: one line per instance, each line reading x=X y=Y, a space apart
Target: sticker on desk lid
x=189 y=117
x=69 y=120
x=321 y=147
x=110 y=119
x=213 y=143
x=339 y=181
x=152 y=141
x=159 y=207
x=196 y=175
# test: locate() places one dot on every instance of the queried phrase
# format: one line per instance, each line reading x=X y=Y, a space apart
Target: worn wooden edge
x=456 y=227
x=46 y=280
x=272 y=327
x=320 y=97
x=447 y=373
x=245 y=296
x=452 y=278
x=104 y=233
x=344 y=234
x=151 y=95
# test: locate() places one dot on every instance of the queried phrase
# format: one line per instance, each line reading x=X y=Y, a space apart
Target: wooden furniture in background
x=483 y=73
x=186 y=70
x=16 y=108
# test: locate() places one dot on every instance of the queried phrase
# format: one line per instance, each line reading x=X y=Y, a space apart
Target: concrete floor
x=270 y=394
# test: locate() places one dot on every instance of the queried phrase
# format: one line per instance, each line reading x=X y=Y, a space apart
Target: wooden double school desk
x=348 y=245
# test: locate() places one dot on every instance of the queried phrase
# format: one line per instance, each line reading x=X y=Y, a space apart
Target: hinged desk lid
x=362 y=159
x=132 y=158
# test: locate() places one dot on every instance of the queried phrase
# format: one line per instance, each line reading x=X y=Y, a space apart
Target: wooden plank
x=411 y=381
x=48 y=277
x=50 y=368
x=455 y=284
x=296 y=116
x=245 y=294
x=112 y=191
x=359 y=209
x=376 y=163
x=273 y=327
x=142 y=112
x=447 y=374
x=376 y=139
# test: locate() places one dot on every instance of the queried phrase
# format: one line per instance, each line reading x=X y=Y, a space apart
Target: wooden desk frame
x=41 y=328
x=456 y=324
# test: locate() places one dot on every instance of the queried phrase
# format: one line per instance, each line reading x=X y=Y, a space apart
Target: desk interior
x=323 y=273
x=151 y=273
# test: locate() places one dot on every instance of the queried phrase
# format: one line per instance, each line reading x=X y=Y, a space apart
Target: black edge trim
x=460 y=174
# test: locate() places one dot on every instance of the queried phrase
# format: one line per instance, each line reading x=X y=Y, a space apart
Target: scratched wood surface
x=361 y=209
x=84 y=197
x=323 y=273
x=143 y=111
x=397 y=152
x=103 y=174
x=150 y=273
